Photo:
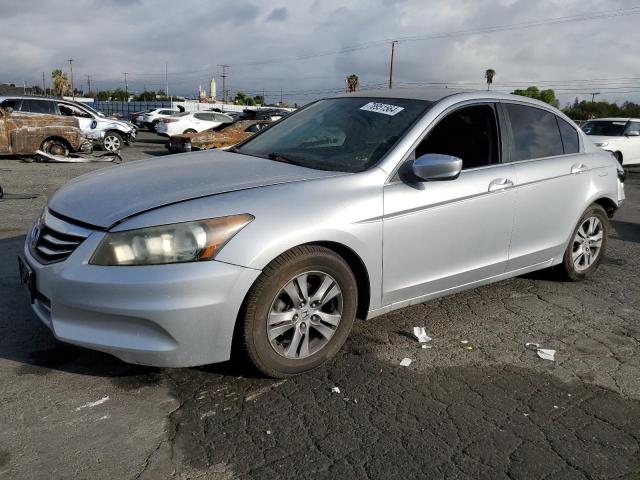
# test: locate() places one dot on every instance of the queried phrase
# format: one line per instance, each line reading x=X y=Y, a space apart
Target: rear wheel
x=153 y=126
x=112 y=142
x=299 y=312
x=55 y=146
x=588 y=244
x=189 y=130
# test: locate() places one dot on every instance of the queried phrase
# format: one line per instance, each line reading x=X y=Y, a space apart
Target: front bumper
x=162 y=315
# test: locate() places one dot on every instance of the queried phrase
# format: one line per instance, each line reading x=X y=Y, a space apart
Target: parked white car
x=191 y=123
x=620 y=136
x=110 y=134
x=151 y=118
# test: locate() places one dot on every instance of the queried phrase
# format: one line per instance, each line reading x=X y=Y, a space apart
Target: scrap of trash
x=405 y=362
x=421 y=335
x=543 y=353
x=77 y=157
x=467 y=345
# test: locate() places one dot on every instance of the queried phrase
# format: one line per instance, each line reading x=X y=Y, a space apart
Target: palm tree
x=60 y=82
x=352 y=83
x=488 y=75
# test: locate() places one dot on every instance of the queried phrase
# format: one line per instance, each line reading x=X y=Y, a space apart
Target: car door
x=553 y=179
x=4 y=133
x=440 y=235
x=632 y=150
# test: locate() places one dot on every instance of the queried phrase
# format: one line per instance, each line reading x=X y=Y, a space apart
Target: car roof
x=614 y=119
x=32 y=97
x=435 y=94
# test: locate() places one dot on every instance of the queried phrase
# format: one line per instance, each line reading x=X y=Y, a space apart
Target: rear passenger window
x=569 y=135
x=535 y=132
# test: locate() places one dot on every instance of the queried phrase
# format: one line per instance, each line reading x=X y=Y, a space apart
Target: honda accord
x=349 y=208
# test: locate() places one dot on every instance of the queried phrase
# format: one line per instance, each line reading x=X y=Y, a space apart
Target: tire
x=596 y=237
x=189 y=130
x=618 y=157
x=152 y=126
x=55 y=146
x=282 y=340
x=112 y=142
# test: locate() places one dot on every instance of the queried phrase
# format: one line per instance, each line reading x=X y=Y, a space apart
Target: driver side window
x=469 y=133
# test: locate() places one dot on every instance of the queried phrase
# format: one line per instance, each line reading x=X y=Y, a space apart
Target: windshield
x=93 y=110
x=605 y=128
x=340 y=134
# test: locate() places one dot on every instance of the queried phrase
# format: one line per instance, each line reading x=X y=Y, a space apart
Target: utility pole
x=393 y=48
x=224 y=82
x=166 y=83
x=593 y=96
x=24 y=87
x=44 y=86
x=73 y=92
x=126 y=85
x=89 y=84
x=280 y=96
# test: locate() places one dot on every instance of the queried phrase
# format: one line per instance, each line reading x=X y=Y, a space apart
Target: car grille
x=53 y=240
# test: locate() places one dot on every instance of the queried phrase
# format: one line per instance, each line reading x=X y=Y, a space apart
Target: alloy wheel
x=304 y=315
x=111 y=143
x=587 y=243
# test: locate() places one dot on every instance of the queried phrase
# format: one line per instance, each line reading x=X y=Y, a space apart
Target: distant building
x=213 y=89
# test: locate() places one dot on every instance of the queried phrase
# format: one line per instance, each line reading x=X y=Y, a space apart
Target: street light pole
x=126 y=85
x=73 y=92
x=393 y=47
x=593 y=96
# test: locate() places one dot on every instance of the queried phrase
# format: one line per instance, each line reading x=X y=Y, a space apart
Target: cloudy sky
x=306 y=48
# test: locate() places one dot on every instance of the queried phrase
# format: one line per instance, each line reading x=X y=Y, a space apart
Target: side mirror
x=94 y=124
x=434 y=166
x=633 y=133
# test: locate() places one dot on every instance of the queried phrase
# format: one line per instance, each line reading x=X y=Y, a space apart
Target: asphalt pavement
x=488 y=408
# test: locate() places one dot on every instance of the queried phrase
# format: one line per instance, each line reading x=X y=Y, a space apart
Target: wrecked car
x=222 y=136
x=108 y=133
x=23 y=134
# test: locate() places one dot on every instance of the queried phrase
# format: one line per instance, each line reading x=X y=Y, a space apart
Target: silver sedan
x=353 y=206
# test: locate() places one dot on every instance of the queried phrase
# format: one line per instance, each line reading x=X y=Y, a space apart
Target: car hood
x=105 y=197
x=105 y=123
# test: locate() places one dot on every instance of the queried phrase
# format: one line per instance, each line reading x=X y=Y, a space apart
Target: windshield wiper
x=281 y=158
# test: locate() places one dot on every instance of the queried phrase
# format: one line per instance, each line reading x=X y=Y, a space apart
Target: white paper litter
x=421 y=335
x=405 y=362
x=425 y=346
x=464 y=342
x=335 y=390
x=92 y=404
x=269 y=432
x=546 y=354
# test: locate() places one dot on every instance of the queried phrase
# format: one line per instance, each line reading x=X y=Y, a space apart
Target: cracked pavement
x=493 y=411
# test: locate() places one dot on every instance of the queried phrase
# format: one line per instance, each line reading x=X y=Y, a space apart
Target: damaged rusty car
x=221 y=137
x=23 y=134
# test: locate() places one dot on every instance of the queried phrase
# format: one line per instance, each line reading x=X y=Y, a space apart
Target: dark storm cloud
x=261 y=40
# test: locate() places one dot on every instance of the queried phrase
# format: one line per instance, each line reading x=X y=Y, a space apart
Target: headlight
x=602 y=144
x=196 y=241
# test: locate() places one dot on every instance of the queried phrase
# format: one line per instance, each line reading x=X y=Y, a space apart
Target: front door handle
x=500 y=184
x=579 y=168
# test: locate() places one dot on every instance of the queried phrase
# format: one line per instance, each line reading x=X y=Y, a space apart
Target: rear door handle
x=579 y=168
x=500 y=184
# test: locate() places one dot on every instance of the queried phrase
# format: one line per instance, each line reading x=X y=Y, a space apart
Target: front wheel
x=189 y=130
x=300 y=311
x=588 y=244
x=112 y=142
